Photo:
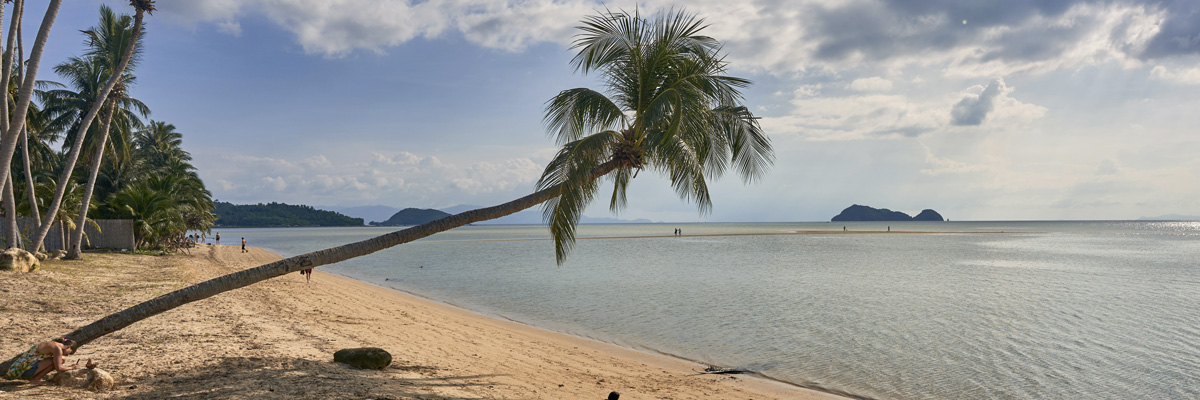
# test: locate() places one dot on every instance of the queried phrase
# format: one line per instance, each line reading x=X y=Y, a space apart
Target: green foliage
x=145 y=175
x=279 y=214
x=412 y=216
x=669 y=108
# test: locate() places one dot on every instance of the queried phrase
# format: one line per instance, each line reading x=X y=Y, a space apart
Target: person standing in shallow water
x=218 y=238
x=243 y=244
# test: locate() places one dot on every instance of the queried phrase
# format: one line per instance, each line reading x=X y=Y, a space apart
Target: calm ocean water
x=1045 y=310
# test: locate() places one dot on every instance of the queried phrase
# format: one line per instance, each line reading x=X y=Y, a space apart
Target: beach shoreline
x=275 y=339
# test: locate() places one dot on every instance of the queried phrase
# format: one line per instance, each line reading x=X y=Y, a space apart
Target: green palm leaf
x=668 y=107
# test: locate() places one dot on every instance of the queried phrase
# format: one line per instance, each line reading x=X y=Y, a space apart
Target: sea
x=929 y=310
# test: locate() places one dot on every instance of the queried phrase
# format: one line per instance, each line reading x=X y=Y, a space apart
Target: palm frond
x=749 y=145
x=684 y=169
x=572 y=170
x=577 y=112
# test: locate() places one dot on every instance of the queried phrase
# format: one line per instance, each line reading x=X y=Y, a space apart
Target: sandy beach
x=275 y=340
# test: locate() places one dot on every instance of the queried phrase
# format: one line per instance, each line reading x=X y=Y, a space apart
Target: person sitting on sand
x=40 y=359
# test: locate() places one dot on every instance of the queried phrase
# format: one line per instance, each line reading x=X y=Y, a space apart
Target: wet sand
x=275 y=340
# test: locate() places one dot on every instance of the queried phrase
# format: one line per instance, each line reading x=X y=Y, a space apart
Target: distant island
x=1171 y=217
x=278 y=215
x=412 y=216
x=864 y=213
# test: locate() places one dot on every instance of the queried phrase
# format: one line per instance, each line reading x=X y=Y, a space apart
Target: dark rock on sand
x=364 y=357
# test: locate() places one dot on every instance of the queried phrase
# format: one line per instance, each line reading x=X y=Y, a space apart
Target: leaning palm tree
x=671 y=111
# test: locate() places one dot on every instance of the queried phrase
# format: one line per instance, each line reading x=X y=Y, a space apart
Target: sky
x=981 y=110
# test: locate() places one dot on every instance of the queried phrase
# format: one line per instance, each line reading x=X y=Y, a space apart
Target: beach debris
x=712 y=369
x=364 y=357
x=90 y=378
x=614 y=396
x=18 y=260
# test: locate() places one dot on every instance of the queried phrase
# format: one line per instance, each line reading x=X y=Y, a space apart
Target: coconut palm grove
x=89 y=149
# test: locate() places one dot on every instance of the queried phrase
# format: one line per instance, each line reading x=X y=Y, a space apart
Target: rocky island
x=864 y=213
x=411 y=217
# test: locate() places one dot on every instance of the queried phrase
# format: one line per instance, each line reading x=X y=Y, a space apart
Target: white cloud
x=1108 y=167
x=993 y=99
x=779 y=38
x=400 y=178
x=818 y=114
x=940 y=166
x=872 y=84
x=229 y=27
x=1190 y=76
x=276 y=183
x=973 y=108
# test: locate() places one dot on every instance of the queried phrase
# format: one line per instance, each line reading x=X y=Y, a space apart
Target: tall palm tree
x=11 y=134
x=107 y=42
x=115 y=75
x=158 y=143
x=685 y=123
x=67 y=107
x=10 y=201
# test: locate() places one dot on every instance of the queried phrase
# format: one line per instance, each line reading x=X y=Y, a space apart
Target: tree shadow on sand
x=297 y=378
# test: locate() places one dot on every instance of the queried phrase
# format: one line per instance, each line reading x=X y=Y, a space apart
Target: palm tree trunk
x=19 y=11
x=84 y=124
x=8 y=145
x=75 y=250
x=6 y=66
x=209 y=288
x=33 y=206
x=10 y=216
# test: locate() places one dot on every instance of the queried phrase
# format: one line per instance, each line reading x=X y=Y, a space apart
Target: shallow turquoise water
x=1046 y=310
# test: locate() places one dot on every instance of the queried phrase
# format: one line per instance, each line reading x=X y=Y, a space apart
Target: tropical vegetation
x=88 y=149
x=669 y=108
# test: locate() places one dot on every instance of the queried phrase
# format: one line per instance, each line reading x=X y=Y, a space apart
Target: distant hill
x=865 y=213
x=1171 y=217
x=412 y=216
x=928 y=215
x=278 y=214
x=367 y=213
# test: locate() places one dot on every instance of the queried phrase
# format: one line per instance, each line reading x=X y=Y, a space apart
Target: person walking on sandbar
x=243 y=244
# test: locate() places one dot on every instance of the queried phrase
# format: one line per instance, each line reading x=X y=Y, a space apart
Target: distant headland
x=864 y=213
x=277 y=215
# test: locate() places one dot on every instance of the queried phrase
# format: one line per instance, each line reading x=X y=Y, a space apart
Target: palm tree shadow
x=297 y=378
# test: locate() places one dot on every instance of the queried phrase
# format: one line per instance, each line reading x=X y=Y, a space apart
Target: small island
x=864 y=213
x=412 y=216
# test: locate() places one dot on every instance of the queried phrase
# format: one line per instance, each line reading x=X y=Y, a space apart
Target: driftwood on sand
x=722 y=370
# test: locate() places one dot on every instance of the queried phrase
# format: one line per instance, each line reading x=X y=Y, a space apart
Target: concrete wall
x=113 y=234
